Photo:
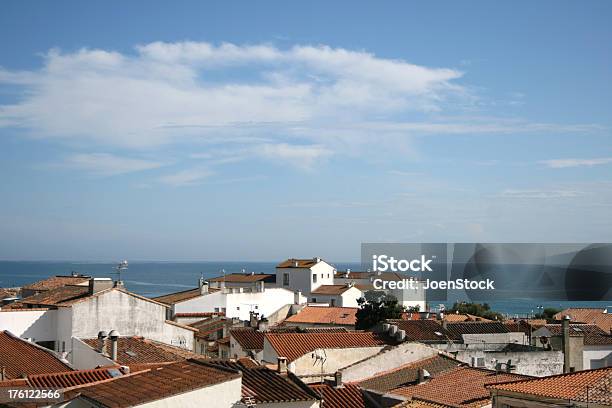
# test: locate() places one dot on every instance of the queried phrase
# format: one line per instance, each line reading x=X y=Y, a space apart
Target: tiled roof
x=250 y=338
x=267 y=386
x=198 y=314
x=460 y=387
x=325 y=315
x=593 y=335
x=206 y=327
x=244 y=278
x=178 y=297
x=5 y=293
x=331 y=289
x=571 y=386
x=345 y=396
x=154 y=384
x=408 y=373
x=423 y=330
x=459 y=329
x=69 y=378
x=295 y=345
x=464 y=317
x=52 y=297
x=301 y=263
x=419 y=403
x=20 y=357
x=588 y=315
x=353 y=275
x=138 y=350
x=55 y=282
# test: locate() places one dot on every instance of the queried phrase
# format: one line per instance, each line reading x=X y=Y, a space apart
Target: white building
x=52 y=318
x=234 y=302
x=304 y=275
x=336 y=295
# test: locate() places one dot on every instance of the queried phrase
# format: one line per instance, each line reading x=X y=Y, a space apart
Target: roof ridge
x=554 y=376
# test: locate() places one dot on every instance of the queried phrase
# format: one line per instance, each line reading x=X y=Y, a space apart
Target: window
x=332 y=302
x=285 y=279
x=237 y=307
x=63 y=346
x=314 y=300
x=314 y=278
x=216 y=310
x=256 y=306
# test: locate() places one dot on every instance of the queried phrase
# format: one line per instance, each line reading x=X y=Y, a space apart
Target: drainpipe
x=565 y=328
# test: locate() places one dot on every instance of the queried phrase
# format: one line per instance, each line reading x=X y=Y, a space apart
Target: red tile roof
x=252 y=339
x=206 y=327
x=198 y=314
x=459 y=387
x=594 y=316
x=19 y=357
x=423 y=330
x=55 y=282
x=593 y=335
x=345 y=396
x=325 y=315
x=459 y=329
x=594 y=384
x=138 y=350
x=331 y=289
x=464 y=317
x=408 y=373
x=295 y=345
x=52 y=297
x=178 y=297
x=244 y=278
x=267 y=386
x=154 y=384
x=298 y=263
x=67 y=379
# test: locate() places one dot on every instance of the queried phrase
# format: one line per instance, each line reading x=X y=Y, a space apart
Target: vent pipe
x=114 y=338
x=102 y=335
x=565 y=328
x=281 y=367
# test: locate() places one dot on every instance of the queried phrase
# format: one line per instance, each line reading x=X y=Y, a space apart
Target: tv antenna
x=121 y=266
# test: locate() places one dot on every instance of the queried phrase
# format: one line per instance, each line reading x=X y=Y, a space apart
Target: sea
x=152 y=279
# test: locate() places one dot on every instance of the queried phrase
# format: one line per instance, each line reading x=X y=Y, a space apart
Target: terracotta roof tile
x=198 y=314
x=571 y=386
x=423 y=330
x=155 y=384
x=594 y=316
x=138 y=350
x=346 y=396
x=244 y=278
x=20 y=357
x=297 y=263
x=206 y=327
x=55 y=282
x=593 y=335
x=460 y=387
x=331 y=289
x=178 y=297
x=295 y=345
x=71 y=378
x=267 y=386
x=325 y=315
x=252 y=339
x=52 y=297
x=408 y=373
x=464 y=317
x=459 y=329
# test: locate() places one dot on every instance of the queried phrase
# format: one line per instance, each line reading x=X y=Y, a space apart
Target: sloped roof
x=250 y=338
x=55 y=282
x=345 y=396
x=325 y=315
x=52 y=297
x=267 y=386
x=177 y=297
x=593 y=335
x=594 y=316
x=571 y=386
x=298 y=263
x=244 y=278
x=459 y=387
x=423 y=330
x=408 y=373
x=19 y=357
x=138 y=350
x=154 y=384
x=295 y=345
x=459 y=329
x=464 y=317
x=331 y=289
x=71 y=378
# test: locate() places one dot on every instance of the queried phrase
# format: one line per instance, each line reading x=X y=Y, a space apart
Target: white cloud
x=302 y=156
x=104 y=164
x=565 y=163
x=187 y=177
x=540 y=194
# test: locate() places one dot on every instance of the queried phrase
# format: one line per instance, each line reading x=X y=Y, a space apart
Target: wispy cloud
x=539 y=194
x=104 y=164
x=565 y=163
x=187 y=177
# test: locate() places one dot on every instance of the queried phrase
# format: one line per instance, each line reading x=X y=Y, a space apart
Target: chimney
x=3 y=373
x=317 y=259
x=421 y=374
x=296 y=297
x=99 y=284
x=400 y=335
x=392 y=330
x=295 y=263
x=338 y=378
x=253 y=319
x=260 y=286
x=565 y=328
x=444 y=324
x=281 y=365
x=262 y=325
x=102 y=335
x=114 y=338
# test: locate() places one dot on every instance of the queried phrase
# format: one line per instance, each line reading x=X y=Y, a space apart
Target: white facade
x=596 y=356
x=348 y=298
x=236 y=303
x=305 y=280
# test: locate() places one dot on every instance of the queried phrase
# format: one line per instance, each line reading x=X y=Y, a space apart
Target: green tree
x=548 y=313
x=376 y=307
x=476 y=309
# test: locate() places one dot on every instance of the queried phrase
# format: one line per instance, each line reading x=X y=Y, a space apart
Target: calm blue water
x=158 y=278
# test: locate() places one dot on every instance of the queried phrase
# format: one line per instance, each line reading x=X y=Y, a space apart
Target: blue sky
x=258 y=131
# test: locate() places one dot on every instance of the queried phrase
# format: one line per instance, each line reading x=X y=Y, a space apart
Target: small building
x=251 y=281
x=304 y=275
x=601 y=317
x=336 y=295
x=589 y=388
